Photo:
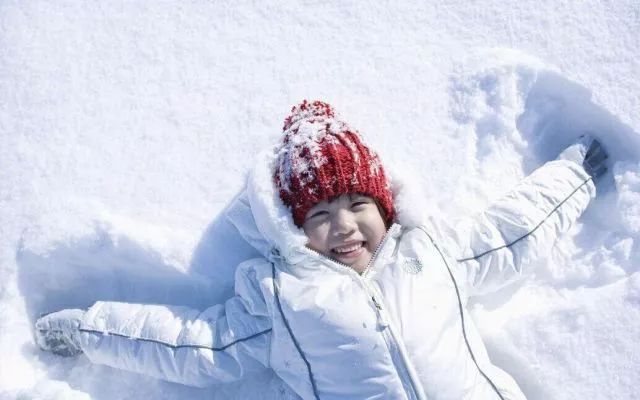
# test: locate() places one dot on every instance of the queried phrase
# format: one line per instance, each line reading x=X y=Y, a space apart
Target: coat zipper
x=387 y=330
x=398 y=355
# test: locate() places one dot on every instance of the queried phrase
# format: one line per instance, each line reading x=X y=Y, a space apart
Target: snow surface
x=125 y=128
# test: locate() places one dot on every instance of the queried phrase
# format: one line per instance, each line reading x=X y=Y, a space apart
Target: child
x=346 y=303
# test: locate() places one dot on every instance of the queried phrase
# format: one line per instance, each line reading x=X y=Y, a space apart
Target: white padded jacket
x=398 y=331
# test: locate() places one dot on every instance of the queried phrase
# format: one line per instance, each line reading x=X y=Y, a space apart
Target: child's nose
x=344 y=223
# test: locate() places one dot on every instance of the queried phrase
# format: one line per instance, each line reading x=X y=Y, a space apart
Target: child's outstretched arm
x=523 y=225
x=179 y=344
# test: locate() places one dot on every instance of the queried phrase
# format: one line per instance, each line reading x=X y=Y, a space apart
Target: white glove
x=58 y=332
x=588 y=152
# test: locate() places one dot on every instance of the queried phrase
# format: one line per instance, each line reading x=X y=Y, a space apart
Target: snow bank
x=127 y=127
x=568 y=332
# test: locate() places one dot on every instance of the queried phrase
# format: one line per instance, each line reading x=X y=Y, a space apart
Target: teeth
x=348 y=249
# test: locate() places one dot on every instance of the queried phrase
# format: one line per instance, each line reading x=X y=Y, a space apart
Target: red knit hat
x=321 y=157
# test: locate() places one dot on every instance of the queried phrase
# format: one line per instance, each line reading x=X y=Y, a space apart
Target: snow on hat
x=322 y=157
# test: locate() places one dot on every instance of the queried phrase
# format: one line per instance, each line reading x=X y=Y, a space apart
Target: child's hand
x=589 y=153
x=58 y=332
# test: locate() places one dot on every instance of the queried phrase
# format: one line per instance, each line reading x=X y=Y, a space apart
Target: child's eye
x=359 y=204
x=318 y=214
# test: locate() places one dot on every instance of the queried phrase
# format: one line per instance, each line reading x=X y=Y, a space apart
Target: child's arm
x=175 y=343
x=523 y=225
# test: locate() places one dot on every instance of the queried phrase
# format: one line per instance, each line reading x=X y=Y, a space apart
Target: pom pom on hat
x=321 y=157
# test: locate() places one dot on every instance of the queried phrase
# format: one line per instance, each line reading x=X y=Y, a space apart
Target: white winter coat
x=399 y=331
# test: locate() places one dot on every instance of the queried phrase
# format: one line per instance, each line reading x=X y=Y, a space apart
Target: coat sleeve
x=496 y=246
x=179 y=344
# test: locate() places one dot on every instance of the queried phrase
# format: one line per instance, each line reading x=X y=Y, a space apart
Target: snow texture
x=126 y=127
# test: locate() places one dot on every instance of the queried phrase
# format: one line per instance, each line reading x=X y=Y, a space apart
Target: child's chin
x=360 y=265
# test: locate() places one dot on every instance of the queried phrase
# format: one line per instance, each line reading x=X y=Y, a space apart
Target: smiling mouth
x=350 y=250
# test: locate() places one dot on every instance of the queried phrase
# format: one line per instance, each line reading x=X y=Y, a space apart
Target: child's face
x=348 y=229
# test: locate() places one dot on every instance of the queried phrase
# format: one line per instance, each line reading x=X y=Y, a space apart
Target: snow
x=126 y=127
